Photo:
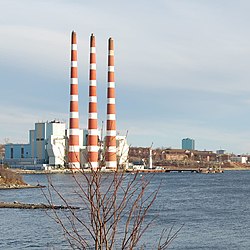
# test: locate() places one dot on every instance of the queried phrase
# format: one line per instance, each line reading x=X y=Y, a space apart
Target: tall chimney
x=111 y=112
x=92 y=119
x=73 y=154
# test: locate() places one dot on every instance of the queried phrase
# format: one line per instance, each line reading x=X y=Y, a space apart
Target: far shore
x=166 y=169
x=237 y=168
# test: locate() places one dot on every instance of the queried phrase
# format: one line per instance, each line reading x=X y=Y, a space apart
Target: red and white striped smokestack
x=111 y=111
x=92 y=119
x=73 y=154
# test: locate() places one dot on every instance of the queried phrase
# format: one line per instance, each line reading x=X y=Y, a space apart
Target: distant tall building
x=188 y=143
x=220 y=152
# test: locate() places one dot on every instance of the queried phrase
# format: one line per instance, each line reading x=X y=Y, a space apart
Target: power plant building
x=122 y=149
x=46 y=146
x=51 y=143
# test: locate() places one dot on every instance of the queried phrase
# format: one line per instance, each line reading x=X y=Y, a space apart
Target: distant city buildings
x=188 y=144
x=167 y=157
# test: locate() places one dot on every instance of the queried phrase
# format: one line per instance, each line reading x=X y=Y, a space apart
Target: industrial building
x=46 y=146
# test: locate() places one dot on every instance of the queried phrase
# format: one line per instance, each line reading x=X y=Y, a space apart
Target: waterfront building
x=239 y=159
x=17 y=151
x=188 y=144
x=168 y=156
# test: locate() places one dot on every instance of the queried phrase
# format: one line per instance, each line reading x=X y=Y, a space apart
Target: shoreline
x=20 y=205
x=167 y=169
x=8 y=186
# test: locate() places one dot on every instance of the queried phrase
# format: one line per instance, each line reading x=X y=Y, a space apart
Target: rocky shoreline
x=15 y=186
x=20 y=205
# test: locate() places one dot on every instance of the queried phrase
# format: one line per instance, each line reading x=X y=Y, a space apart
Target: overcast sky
x=182 y=68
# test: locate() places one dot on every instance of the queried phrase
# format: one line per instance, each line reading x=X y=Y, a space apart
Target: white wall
x=56 y=142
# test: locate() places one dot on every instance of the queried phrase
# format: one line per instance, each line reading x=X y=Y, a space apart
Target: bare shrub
x=114 y=211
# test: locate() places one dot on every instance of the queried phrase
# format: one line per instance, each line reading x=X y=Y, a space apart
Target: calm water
x=214 y=208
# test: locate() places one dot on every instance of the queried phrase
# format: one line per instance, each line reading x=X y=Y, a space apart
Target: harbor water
x=214 y=210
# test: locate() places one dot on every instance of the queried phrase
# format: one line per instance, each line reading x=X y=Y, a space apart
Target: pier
x=179 y=170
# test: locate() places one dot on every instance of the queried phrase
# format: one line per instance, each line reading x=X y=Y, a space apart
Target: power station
x=50 y=144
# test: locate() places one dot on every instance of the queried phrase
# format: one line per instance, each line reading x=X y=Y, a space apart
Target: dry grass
x=8 y=177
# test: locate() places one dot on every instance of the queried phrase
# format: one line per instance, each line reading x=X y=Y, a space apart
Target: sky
x=181 y=68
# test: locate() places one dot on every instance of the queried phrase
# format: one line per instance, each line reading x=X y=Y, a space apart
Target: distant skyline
x=181 y=68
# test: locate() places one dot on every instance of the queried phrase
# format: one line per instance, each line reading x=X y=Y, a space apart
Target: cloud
x=171 y=134
x=16 y=122
x=181 y=66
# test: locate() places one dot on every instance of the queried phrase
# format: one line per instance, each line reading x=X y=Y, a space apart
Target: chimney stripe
x=112 y=149
x=111 y=68
x=92 y=50
x=93 y=132
x=73 y=46
x=74 y=81
x=74 y=148
x=74 y=115
x=111 y=133
x=111 y=164
x=92 y=99
x=93 y=148
x=111 y=100
x=74 y=131
x=92 y=83
x=93 y=165
x=111 y=52
x=74 y=64
x=92 y=115
x=111 y=117
x=74 y=98
x=111 y=85
x=92 y=66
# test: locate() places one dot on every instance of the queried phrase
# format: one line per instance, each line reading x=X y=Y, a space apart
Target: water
x=214 y=208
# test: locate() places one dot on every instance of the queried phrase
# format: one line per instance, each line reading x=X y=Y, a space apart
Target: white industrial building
x=48 y=144
x=122 y=151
